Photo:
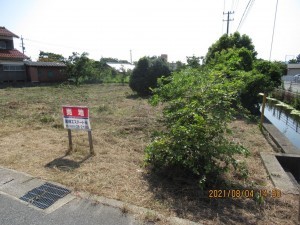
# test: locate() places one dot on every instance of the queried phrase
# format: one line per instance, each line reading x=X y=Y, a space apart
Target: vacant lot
x=32 y=140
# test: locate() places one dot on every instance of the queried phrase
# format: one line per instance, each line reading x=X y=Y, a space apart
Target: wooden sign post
x=263 y=108
x=77 y=118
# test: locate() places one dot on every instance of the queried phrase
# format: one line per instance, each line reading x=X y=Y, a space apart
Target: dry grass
x=33 y=140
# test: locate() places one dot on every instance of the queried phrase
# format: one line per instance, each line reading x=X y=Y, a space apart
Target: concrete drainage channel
x=284 y=175
x=283 y=168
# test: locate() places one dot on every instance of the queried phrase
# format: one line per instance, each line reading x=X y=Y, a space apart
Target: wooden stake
x=263 y=109
x=70 y=141
x=92 y=152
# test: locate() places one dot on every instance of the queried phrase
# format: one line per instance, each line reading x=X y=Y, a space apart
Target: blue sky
x=177 y=28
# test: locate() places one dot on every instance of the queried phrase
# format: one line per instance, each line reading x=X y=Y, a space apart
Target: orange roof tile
x=7 y=33
x=12 y=54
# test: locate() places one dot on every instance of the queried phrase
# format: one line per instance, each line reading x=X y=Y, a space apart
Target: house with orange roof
x=12 y=67
x=16 y=67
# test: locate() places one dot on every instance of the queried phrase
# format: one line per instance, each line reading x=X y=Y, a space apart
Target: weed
x=259 y=199
x=58 y=126
x=151 y=217
x=102 y=108
x=125 y=209
x=46 y=119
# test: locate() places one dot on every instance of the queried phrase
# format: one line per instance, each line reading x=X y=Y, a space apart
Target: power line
x=45 y=43
x=273 y=30
x=246 y=11
x=232 y=5
x=236 y=5
x=223 y=16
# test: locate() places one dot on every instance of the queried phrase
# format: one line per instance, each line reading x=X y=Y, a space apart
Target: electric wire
x=273 y=30
x=246 y=12
x=236 y=5
x=232 y=5
x=47 y=44
x=223 y=17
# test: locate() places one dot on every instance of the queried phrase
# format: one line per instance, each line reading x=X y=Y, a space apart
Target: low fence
x=284 y=117
x=291 y=78
x=283 y=92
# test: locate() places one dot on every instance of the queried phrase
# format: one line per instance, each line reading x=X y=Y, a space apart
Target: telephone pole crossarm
x=228 y=19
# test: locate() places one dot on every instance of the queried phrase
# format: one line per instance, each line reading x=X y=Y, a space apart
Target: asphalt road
x=76 y=212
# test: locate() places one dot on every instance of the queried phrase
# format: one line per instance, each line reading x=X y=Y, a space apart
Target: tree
x=292 y=61
x=232 y=41
x=271 y=69
x=193 y=61
x=298 y=58
x=198 y=107
x=50 y=57
x=179 y=65
x=232 y=59
x=145 y=74
x=79 y=67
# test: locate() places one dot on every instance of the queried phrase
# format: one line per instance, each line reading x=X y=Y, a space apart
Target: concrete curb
x=16 y=184
x=140 y=212
x=277 y=174
x=279 y=139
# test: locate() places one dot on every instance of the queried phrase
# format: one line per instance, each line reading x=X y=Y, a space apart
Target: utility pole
x=23 y=48
x=130 y=56
x=228 y=19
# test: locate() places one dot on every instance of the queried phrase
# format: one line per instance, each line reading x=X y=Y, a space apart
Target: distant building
x=45 y=71
x=121 y=66
x=293 y=69
x=12 y=66
x=164 y=57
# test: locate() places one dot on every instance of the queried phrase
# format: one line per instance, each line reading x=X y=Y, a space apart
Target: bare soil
x=32 y=140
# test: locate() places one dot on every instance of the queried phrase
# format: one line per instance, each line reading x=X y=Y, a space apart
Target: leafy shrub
x=270 y=69
x=198 y=109
x=145 y=74
x=253 y=85
x=233 y=59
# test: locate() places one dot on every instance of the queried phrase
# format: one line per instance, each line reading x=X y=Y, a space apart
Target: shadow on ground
x=184 y=197
x=136 y=96
x=64 y=164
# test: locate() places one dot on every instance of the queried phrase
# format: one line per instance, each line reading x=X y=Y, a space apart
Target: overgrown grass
x=32 y=139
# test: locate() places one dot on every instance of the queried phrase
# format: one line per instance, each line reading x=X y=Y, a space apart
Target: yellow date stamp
x=243 y=193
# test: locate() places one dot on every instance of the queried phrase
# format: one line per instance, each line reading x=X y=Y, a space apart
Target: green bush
x=253 y=85
x=271 y=69
x=198 y=107
x=145 y=74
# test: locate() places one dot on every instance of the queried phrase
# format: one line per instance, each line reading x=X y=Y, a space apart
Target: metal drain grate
x=45 y=195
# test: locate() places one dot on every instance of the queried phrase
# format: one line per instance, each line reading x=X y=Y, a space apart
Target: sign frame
x=77 y=118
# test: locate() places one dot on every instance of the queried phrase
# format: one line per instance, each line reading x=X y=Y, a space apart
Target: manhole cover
x=45 y=195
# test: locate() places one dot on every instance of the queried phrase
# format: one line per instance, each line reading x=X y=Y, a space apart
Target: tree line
x=80 y=68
